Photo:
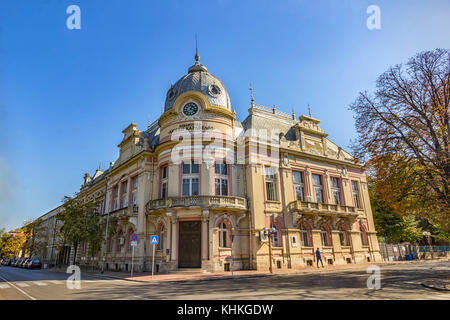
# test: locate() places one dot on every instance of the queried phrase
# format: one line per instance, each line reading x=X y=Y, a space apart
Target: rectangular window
x=135 y=191
x=189 y=168
x=318 y=189
x=336 y=190
x=355 y=191
x=164 y=190
x=221 y=169
x=123 y=197
x=164 y=181
x=190 y=186
x=299 y=186
x=221 y=180
x=115 y=198
x=271 y=192
x=190 y=180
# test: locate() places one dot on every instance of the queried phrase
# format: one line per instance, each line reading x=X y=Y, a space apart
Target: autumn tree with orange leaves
x=403 y=136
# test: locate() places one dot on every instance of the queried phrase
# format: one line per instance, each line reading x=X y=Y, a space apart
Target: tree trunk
x=75 y=252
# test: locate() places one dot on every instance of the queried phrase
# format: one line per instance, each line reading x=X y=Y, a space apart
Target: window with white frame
x=304 y=236
x=135 y=191
x=355 y=192
x=271 y=191
x=336 y=190
x=318 y=187
x=221 y=179
x=123 y=196
x=299 y=185
x=324 y=236
x=164 y=181
x=190 y=180
x=115 y=198
x=223 y=236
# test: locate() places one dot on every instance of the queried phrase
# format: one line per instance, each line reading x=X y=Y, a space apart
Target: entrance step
x=189 y=271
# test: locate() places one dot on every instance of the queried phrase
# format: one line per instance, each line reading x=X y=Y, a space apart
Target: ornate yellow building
x=208 y=185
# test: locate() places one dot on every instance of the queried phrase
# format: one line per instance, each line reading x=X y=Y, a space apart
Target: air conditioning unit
x=263 y=236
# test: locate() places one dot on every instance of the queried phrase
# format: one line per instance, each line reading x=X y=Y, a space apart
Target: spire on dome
x=197 y=57
x=197 y=66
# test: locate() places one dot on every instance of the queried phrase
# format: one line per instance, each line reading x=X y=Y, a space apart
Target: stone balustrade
x=225 y=202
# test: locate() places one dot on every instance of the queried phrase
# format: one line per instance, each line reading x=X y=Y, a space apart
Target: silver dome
x=198 y=79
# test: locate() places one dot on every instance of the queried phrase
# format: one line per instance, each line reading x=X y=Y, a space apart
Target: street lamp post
x=269 y=233
x=106 y=244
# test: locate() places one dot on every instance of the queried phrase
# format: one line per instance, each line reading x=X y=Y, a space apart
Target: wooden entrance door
x=189 y=244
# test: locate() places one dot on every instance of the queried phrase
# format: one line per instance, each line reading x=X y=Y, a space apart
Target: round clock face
x=190 y=109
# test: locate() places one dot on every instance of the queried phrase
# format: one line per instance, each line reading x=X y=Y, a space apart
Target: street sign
x=133 y=243
x=154 y=239
x=134 y=237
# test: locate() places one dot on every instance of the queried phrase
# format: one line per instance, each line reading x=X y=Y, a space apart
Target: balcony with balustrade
x=210 y=202
x=125 y=212
x=326 y=209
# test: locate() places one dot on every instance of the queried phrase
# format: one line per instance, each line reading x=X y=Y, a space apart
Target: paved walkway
x=190 y=275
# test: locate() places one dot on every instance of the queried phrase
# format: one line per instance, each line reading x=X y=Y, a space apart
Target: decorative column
x=205 y=235
x=174 y=233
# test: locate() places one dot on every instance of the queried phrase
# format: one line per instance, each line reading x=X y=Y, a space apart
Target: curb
x=431 y=286
x=187 y=280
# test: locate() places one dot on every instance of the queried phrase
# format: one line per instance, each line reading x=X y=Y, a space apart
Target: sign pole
x=232 y=274
x=132 y=258
x=153 y=260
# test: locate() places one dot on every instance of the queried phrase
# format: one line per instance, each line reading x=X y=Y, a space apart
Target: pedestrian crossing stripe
x=56 y=281
x=4 y=286
x=39 y=283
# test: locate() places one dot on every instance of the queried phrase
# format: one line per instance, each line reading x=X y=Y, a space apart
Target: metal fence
x=406 y=251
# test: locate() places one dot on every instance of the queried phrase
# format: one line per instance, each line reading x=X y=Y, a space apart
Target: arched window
x=324 y=236
x=304 y=236
x=224 y=235
x=364 y=239
x=343 y=236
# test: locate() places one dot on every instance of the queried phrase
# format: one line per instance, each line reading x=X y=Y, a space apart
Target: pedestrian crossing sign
x=154 y=239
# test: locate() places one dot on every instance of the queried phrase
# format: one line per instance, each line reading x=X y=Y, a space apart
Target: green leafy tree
x=403 y=135
x=81 y=223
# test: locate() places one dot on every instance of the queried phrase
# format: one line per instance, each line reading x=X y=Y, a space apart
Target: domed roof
x=199 y=79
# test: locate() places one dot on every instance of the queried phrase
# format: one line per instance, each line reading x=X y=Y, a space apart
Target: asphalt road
x=402 y=281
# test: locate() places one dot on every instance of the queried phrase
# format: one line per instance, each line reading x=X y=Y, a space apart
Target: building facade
x=208 y=185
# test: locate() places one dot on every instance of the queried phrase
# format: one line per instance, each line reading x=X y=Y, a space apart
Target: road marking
x=32 y=298
x=22 y=284
x=39 y=283
x=56 y=281
x=4 y=286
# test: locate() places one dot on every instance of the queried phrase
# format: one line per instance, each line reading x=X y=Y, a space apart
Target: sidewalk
x=180 y=276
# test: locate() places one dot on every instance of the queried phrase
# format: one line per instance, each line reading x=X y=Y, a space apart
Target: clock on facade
x=190 y=109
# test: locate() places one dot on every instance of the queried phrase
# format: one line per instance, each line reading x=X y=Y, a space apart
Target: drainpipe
x=250 y=218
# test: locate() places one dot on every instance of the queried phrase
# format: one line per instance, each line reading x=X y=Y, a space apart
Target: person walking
x=319 y=257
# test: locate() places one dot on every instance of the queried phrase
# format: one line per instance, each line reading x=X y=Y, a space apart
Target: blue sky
x=65 y=95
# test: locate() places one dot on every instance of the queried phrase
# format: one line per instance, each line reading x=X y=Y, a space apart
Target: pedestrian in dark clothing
x=319 y=257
